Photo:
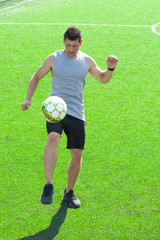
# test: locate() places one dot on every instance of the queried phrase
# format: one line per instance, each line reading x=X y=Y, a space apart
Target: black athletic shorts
x=74 y=129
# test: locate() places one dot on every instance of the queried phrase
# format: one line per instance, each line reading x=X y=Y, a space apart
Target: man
x=69 y=68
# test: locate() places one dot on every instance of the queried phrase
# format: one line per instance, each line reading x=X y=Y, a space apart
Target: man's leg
x=74 y=168
x=50 y=158
x=73 y=172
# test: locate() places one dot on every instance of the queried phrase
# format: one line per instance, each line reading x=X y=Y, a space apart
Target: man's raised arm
x=99 y=74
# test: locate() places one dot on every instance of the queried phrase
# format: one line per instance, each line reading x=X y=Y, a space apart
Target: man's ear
x=63 y=41
x=81 y=42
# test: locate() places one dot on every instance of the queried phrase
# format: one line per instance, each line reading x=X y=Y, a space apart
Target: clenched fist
x=26 y=105
x=112 y=62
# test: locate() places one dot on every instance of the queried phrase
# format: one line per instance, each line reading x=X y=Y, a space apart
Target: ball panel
x=60 y=107
x=62 y=115
x=50 y=107
x=55 y=115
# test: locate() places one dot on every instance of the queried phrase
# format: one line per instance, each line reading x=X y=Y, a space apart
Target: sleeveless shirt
x=68 y=81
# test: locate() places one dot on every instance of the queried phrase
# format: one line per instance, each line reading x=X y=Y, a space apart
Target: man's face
x=71 y=47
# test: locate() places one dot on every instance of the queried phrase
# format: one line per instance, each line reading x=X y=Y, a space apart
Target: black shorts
x=74 y=129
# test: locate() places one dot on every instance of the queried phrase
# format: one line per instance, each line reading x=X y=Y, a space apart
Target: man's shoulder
x=83 y=53
x=49 y=61
x=58 y=53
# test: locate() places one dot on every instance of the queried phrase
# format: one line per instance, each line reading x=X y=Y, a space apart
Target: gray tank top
x=68 y=81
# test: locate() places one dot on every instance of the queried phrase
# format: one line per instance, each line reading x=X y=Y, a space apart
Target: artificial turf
x=119 y=181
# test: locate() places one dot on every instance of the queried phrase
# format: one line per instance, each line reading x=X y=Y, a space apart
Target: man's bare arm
x=99 y=74
x=46 y=67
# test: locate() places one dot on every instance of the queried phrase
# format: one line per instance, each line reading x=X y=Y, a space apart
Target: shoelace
x=71 y=194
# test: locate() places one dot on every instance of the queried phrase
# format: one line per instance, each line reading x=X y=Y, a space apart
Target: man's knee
x=76 y=154
x=53 y=138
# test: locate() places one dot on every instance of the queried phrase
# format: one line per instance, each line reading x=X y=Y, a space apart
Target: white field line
x=153 y=27
x=16 y=5
x=79 y=24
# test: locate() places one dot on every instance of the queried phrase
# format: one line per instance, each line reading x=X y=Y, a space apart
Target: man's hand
x=112 y=62
x=26 y=105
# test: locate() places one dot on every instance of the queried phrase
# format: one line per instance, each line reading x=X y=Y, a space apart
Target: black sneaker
x=47 y=194
x=72 y=200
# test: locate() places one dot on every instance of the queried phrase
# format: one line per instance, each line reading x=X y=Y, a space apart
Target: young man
x=69 y=68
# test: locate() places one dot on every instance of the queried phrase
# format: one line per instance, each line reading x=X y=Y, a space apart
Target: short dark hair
x=73 y=33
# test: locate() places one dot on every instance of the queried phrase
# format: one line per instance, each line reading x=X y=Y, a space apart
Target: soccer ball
x=54 y=109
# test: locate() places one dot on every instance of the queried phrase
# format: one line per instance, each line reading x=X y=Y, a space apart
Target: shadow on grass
x=52 y=231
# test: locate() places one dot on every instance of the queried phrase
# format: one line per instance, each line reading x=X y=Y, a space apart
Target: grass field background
x=119 y=182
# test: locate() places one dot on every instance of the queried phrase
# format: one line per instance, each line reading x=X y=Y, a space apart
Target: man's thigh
x=75 y=131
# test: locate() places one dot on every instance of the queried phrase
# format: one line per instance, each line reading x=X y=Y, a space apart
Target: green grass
x=119 y=181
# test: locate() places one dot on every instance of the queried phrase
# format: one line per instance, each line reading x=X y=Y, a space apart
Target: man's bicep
x=45 y=68
x=94 y=70
x=42 y=71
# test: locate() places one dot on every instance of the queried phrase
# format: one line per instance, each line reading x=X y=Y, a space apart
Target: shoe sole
x=46 y=203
